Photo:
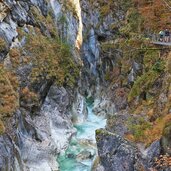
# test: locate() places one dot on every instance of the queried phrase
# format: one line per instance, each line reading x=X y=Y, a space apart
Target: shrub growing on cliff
x=15 y=57
x=143 y=83
x=138 y=129
x=156 y=14
x=8 y=92
x=52 y=60
x=28 y=99
x=153 y=67
x=133 y=23
x=150 y=58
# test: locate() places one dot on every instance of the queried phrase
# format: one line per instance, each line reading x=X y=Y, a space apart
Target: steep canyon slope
x=57 y=54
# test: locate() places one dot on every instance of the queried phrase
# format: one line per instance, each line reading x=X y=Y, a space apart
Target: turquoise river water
x=82 y=149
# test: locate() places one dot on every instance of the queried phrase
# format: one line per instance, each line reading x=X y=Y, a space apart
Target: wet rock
x=84 y=155
x=41 y=133
x=71 y=28
x=86 y=142
x=8 y=30
x=117 y=153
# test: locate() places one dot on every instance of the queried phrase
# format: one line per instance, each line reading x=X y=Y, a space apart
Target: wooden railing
x=156 y=38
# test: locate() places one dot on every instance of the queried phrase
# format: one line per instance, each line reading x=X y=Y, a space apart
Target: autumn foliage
x=156 y=13
x=9 y=98
x=52 y=60
x=8 y=92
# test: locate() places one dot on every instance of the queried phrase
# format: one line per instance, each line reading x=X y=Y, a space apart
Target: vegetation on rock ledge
x=52 y=60
x=9 y=97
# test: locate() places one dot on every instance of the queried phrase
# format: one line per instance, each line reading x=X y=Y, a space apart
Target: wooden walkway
x=156 y=38
x=162 y=43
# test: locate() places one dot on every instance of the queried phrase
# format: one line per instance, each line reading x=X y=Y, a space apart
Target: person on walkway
x=167 y=35
x=161 y=36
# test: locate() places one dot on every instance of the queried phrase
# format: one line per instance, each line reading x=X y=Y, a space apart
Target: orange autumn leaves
x=156 y=14
x=8 y=95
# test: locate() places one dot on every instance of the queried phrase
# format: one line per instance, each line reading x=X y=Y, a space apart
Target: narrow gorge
x=82 y=87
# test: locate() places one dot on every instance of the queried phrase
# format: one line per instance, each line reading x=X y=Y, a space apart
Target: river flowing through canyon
x=82 y=150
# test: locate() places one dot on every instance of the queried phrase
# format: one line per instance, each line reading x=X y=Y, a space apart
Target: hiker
x=161 y=35
x=167 y=35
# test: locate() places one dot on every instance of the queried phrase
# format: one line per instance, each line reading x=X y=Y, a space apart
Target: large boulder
x=116 y=153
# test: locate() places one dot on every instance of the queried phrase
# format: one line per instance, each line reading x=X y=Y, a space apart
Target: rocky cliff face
x=116 y=153
x=42 y=111
x=57 y=54
x=32 y=138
